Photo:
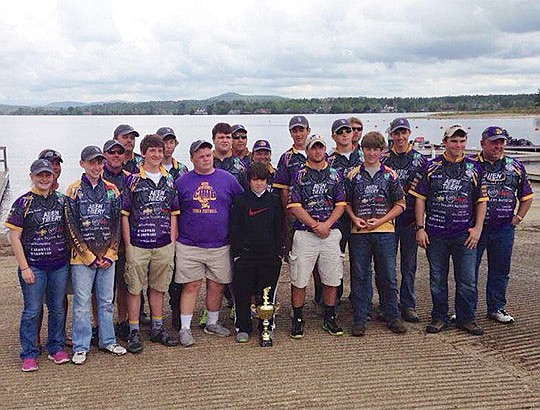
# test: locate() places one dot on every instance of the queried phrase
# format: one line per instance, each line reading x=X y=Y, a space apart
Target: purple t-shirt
x=451 y=191
x=42 y=224
x=205 y=202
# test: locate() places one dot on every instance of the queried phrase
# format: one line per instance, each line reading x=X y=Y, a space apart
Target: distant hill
x=239 y=97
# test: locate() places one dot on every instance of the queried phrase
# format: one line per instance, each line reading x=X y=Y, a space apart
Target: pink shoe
x=60 y=357
x=29 y=365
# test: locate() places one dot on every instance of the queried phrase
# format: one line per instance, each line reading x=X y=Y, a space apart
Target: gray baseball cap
x=91 y=152
x=41 y=165
x=399 y=123
x=165 y=132
x=238 y=127
x=339 y=124
x=298 y=121
x=125 y=129
x=197 y=145
x=112 y=143
x=50 y=154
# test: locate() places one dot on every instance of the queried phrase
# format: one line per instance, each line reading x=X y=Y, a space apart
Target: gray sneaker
x=242 y=337
x=218 y=329
x=186 y=338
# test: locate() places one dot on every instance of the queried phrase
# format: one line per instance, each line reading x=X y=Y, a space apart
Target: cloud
x=138 y=50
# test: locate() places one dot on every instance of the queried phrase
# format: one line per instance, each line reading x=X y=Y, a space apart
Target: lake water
x=26 y=136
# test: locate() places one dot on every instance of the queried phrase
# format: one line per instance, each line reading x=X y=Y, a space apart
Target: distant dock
x=4 y=172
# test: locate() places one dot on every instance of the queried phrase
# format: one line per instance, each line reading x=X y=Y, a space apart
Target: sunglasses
x=237 y=137
x=343 y=130
x=116 y=151
x=357 y=128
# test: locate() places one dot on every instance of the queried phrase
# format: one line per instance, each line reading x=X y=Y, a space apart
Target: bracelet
x=28 y=267
x=314 y=226
x=519 y=217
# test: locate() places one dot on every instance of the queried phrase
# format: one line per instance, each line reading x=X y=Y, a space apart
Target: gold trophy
x=265 y=312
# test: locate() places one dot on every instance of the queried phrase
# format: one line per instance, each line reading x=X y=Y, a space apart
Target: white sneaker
x=186 y=338
x=115 y=349
x=501 y=316
x=79 y=358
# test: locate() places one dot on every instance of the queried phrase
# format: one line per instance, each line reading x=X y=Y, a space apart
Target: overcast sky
x=102 y=50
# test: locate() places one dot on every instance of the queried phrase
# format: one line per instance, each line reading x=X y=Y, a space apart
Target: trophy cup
x=265 y=312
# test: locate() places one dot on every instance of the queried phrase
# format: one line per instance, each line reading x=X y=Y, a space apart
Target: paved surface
x=452 y=370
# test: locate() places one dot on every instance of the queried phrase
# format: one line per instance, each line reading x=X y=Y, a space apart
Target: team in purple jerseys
x=134 y=222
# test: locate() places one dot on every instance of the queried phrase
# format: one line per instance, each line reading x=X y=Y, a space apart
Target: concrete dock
x=4 y=172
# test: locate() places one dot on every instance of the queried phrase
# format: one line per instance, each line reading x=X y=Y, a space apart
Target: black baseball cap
x=197 y=145
x=50 y=154
x=91 y=152
x=165 y=132
x=41 y=165
x=125 y=129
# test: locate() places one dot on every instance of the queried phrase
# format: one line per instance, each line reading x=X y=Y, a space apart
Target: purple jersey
x=41 y=222
x=506 y=182
x=451 y=191
x=407 y=165
x=318 y=192
x=373 y=197
x=289 y=163
x=149 y=208
x=205 y=202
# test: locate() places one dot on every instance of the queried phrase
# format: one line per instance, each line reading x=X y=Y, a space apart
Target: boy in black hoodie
x=256 y=242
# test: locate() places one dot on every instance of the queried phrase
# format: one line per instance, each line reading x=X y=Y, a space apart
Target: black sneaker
x=122 y=331
x=297 y=328
x=161 y=335
x=94 y=341
x=134 y=344
x=330 y=325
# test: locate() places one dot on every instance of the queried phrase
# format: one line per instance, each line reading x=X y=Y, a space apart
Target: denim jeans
x=101 y=281
x=406 y=236
x=439 y=252
x=52 y=286
x=382 y=248
x=499 y=243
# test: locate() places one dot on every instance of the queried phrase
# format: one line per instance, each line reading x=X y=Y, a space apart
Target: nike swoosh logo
x=253 y=212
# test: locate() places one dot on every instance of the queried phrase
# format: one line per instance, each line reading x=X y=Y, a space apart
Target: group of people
x=143 y=225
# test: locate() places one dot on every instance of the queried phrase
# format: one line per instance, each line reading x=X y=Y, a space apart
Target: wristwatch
x=418 y=227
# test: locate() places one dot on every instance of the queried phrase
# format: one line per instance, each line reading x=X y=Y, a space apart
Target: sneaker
x=134 y=342
x=329 y=324
x=114 y=348
x=471 y=328
x=358 y=330
x=242 y=337
x=122 y=330
x=297 y=328
x=397 y=326
x=501 y=316
x=218 y=329
x=410 y=315
x=161 y=335
x=94 y=341
x=232 y=315
x=79 y=358
x=60 y=357
x=436 y=326
x=29 y=365
x=186 y=338
x=202 y=320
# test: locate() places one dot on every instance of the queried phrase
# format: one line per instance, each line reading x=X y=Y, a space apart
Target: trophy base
x=266 y=343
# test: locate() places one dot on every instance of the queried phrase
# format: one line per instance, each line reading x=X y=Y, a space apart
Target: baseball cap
x=298 y=121
x=91 y=152
x=339 y=124
x=261 y=144
x=50 y=154
x=112 y=143
x=494 y=133
x=40 y=165
x=125 y=129
x=238 y=127
x=197 y=145
x=313 y=139
x=164 y=132
x=399 y=123
x=450 y=131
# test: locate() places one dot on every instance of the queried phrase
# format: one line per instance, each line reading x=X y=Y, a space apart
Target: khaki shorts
x=194 y=263
x=307 y=250
x=154 y=266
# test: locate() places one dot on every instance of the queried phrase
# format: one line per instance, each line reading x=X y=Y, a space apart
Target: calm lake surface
x=26 y=136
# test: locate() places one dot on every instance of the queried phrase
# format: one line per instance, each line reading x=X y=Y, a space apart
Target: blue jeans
x=499 y=243
x=406 y=236
x=102 y=281
x=439 y=252
x=52 y=286
x=382 y=248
